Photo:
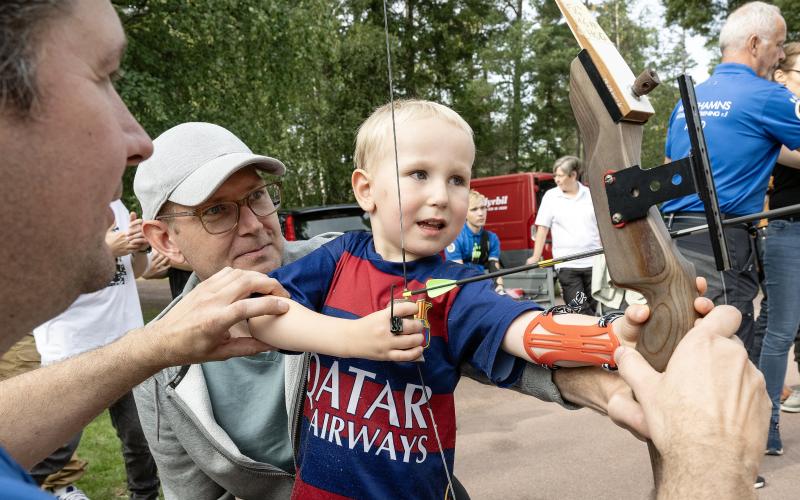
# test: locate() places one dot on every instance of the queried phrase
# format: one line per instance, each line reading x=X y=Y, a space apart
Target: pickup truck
x=305 y=223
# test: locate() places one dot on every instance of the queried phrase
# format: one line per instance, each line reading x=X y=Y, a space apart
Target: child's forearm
x=303 y=330
x=513 y=340
x=587 y=386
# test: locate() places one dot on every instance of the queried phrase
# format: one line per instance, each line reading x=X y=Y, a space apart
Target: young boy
x=366 y=431
x=475 y=246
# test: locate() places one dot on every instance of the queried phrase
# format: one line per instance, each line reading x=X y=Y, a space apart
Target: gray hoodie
x=195 y=456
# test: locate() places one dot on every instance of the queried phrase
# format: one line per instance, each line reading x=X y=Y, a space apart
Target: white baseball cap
x=190 y=162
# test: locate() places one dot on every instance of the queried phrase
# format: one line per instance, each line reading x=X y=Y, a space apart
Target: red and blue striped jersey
x=366 y=432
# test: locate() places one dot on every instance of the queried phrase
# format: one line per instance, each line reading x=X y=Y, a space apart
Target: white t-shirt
x=98 y=318
x=573 y=226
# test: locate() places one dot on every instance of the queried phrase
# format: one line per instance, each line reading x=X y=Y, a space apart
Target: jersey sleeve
x=781 y=117
x=494 y=246
x=544 y=215
x=308 y=279
x=477 y=323
x=455 y=250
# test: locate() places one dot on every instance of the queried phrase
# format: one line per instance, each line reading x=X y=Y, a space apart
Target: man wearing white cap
x=220 y=428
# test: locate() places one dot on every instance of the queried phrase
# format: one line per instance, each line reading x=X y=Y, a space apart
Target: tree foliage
x=295 y=78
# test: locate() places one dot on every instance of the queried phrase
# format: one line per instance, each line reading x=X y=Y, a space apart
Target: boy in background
x=476 y=247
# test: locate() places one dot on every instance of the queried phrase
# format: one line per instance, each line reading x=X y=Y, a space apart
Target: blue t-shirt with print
x=468 y=244
x=15 y=483
x=745 y=119
x=365 y=431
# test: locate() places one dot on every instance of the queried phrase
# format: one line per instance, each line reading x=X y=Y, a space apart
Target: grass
x=105 y=476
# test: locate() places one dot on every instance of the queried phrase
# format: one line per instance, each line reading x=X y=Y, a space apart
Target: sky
x=695 y=44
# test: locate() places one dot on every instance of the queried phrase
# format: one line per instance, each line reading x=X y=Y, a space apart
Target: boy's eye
x=457 y=180
x=419 y=175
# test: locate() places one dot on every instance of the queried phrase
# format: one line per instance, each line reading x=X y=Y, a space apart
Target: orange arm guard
x=577 y=345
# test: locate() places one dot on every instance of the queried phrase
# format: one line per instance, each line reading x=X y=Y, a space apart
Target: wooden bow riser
x=641 y=255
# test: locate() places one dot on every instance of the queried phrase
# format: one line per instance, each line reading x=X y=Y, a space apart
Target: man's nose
x=248 y=222
x=138 y=145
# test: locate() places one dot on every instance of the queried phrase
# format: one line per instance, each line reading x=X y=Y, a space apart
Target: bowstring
x=403 y=246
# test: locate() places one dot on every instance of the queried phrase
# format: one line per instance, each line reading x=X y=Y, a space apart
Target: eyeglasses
x=222 y=217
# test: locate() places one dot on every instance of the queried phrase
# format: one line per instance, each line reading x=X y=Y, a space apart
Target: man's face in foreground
x=62 y=165
x=255 y=244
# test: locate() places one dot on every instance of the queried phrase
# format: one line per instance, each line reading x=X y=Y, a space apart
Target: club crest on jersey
x=422 y=314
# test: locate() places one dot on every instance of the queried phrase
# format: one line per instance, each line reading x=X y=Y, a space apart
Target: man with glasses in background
x=224 y=427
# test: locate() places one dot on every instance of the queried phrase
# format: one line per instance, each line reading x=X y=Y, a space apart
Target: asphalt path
x=511 y=446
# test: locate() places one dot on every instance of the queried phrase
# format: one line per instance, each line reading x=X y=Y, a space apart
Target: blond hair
x=375 y=133
x=474 y=195
x=792 y=51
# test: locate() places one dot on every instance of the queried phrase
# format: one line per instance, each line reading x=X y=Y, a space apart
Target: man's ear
x=158 y=235
x=362 y=188
x=753 y=42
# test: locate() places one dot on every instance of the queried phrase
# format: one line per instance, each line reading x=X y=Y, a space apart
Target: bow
x=640 y=255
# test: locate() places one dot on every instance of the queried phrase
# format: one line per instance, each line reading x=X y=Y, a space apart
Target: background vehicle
x=305 y=223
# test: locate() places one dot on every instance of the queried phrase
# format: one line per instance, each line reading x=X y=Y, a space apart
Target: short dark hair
x=21 y=24
x=569 y=164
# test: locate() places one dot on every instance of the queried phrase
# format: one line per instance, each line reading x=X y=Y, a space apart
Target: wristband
x=580 y=344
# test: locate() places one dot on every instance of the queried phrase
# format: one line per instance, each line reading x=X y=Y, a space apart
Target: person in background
x=475 y=246
x=782 y=266
x=567 y=212
x=162 y=267
x=746 y=120
x=92 y=321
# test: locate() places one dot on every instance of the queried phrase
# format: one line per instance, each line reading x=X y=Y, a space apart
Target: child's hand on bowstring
x=371 y=336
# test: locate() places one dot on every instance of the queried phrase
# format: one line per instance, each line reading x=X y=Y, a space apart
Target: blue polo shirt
x=15 y=483
x=746 y=119
x=468 y=242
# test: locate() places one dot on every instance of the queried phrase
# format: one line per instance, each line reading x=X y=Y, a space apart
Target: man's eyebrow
x=218 y=197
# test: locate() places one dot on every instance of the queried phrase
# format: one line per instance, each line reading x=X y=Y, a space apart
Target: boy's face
x=435 y=160
x=476 y=216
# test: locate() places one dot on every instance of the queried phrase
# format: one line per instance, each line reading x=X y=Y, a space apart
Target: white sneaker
x=792 y=403
x=70 y=492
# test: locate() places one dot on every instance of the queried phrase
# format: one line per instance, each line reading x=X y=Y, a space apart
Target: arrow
x=442 y=286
